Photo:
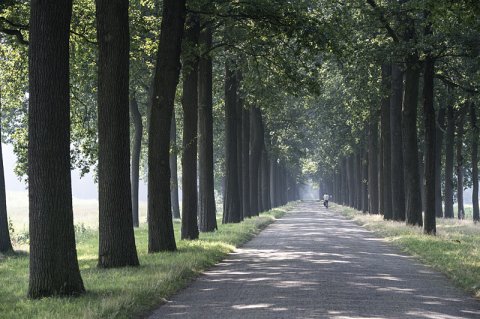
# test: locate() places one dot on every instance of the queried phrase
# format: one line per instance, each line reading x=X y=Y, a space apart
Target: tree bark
x=373 y=163
x=438 y=161
x=474 y=126
x=364 y=180
x=231 y=213
x=206 y=194
x=273 y=172
x=351 y=181
x=190 y=122
x=116 y=238
x=397 y=176
x=136 y=149
x=386 y=142
x=449 y=153
x=430 y=146
x=53 y=257
x=5 y=242
x=174 y=168
x=245 y=163
x=459 y=155
x=240 y=143
x=265 y=181
x=410 y=144
x=160 y=226
x=358 y=181
x=255 y=156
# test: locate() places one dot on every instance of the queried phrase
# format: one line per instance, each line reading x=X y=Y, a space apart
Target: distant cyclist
x=326 y=197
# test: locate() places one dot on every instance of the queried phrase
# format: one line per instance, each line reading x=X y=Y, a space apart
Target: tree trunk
x=136 y=149
x=397 y=176
x=206 y=194
x=358 y=180
x=373 y=163
x=273 y=172
x=239 y=124
x=438 y=161
x=449 y=152
x=174 y=168
x=231 y=213
x=459 y=151
x=160 y=226
x=386 y=142
x=364 y=180
x=351 y=181
x=410 y=143
x=116 y=237
x=344 y=182
x=190 y=122
x=474 y=126
x=255 y=156
x=265 y=181
x=245 y=163
x=53 y=256
x=430 y=147
x=5 y=242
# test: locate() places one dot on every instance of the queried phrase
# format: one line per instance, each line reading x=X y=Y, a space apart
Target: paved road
x=313 y=263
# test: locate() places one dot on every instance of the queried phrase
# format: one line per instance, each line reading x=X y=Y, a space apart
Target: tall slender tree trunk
x=438 y=161
x=386 y=142
x=206 y=195
x=358 y=181
x=351 y=181
x=245 y=163
x=231 y=213
x=190 y=122
x=364 y=180
x=459 y=151
x=266 y=181
x=373 y=163
x=449 y=153
x=160 y=225
x=174 y=168
x=53 y=257
x=255 y=156
x=474 y=126
x=5 y=242
x=430 y=146
x=410 y=143
x=136 y=149
x=239 y=115
x=116 y=238
x=397 y=176
x=273 y=200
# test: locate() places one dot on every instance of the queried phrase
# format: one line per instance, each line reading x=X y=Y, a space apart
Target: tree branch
x=383 y=20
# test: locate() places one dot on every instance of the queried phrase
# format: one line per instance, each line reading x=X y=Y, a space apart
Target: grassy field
x=455 y=250
x=127 y=292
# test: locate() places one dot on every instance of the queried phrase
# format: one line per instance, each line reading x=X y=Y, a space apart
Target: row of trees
x=256 y=176
x=417 y=53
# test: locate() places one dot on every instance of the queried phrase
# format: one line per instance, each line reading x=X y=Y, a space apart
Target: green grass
x=127 y=292
x=455 y=250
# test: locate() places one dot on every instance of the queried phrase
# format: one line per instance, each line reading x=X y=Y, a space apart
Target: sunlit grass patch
x=455 y=250
x=125 y=292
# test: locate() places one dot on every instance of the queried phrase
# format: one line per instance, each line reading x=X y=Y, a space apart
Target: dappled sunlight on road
x=315 y=264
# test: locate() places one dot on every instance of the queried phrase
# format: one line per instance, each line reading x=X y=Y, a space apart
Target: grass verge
x=455 y=250
x=126 y=292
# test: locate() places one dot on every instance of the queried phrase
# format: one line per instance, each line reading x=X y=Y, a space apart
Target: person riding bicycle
x=326 y=197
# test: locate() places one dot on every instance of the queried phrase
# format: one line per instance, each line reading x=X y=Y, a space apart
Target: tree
x=449 y=152
x=386 y=142
x=190 y=122
x=206 y=195
x=231 y=212
x=160 y=226
x=116 y=237
x=459 y=167
x=474 y=127
x=430 y=146
x=53 y=258
x=5 y=242
x=174 y=169
x=137 y=148
x=398 y=193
